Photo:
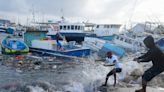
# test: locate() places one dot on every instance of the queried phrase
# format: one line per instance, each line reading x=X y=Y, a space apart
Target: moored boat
x=160 y=43
x=13 y=46
x=49 y=48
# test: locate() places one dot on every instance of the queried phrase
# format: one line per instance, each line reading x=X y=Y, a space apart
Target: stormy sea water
x=69 y=77
x=79 y=76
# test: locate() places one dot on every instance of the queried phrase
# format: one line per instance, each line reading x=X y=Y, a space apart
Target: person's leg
x=144 y=84
x=117 y=70
x=147 y=76
x=114 y=79
x=109 y=74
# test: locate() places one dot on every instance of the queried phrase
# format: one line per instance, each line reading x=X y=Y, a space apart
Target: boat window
x=97 y=26
x=115 y=26
x=121 y=39
x=72 y=27
x=75 y=27
x=78 y=27
x=107 y=26
x=117 y=37
x=82 y=28
x=126 y=40
x=64 y=28
x=60 y=27
x=68 y=27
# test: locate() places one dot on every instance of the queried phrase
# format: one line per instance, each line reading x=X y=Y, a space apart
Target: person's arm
x=146 y=57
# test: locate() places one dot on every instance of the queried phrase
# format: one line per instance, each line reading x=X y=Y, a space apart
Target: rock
x=19 y=71
x=46 y=86
x=37 y=67
x=11 y=86
x=22 y=88
x=132 y=89
x=127 y=79
x=20 y=62
x=37 y=63
x=54 y=66
x=136 y=73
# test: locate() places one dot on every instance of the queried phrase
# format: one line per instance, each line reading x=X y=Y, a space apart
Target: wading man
x=155 y=55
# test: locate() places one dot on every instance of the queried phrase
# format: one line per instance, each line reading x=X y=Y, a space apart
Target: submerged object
x=13 y=46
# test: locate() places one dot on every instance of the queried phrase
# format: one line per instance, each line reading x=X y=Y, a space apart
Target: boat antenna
x=62 y=17
x=132 y=13
x=33 y=14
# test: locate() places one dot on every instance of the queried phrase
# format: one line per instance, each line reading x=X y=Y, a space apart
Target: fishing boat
x=49 y=48
x=13 y=46
x=128 y=43
x=102 y=46
x=106 y=31
x=40 y=43
x=160 y=43
x=72 y=31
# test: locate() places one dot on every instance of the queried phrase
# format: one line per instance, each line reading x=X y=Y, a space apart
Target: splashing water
x=84 y=77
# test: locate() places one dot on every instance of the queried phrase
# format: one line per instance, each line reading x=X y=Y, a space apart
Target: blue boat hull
x=74 y=52
x=160 y=43
x=7 y=48
x=111 y=47
x=108 y=38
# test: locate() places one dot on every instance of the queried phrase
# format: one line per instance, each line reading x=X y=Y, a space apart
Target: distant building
x=4 y=22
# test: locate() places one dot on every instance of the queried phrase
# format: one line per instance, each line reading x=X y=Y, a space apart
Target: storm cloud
x=101 y=11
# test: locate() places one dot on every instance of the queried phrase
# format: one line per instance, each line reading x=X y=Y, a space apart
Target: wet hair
x=109 y=53
x=150 y=38
x=149 y=41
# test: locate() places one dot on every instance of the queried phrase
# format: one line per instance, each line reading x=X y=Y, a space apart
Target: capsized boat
x=13 y=46
x=102 y=46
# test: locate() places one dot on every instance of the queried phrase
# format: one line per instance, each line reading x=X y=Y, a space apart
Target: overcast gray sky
x=96 y=11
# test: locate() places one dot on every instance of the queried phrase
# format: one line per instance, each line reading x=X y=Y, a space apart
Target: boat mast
x=62 y=13
x=33 y=14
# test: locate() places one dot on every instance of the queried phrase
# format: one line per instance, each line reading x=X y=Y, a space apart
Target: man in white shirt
x=112 y=60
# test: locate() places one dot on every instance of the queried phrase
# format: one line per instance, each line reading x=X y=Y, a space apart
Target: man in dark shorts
x=112 y=60
x=155 y=55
